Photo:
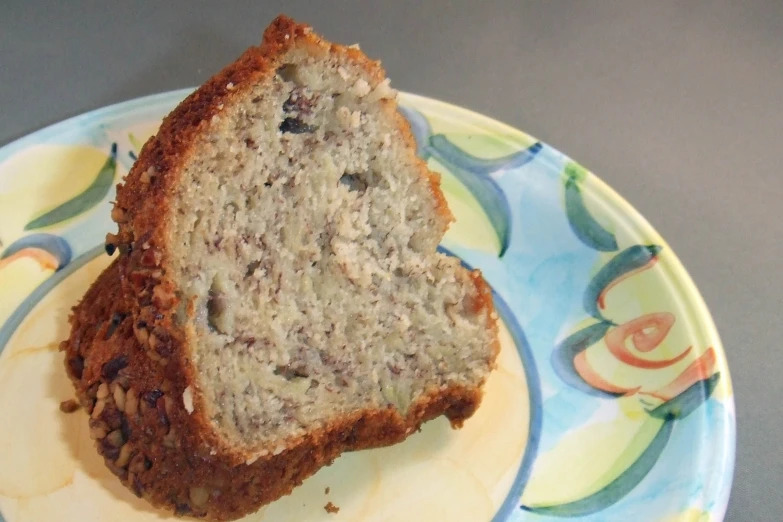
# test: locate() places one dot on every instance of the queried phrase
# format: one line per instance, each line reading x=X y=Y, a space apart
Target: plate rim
x=726 y=462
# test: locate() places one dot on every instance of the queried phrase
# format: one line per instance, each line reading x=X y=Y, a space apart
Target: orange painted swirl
x=646 y=333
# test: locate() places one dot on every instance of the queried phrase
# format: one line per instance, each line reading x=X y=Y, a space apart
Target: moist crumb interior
x=304 y=241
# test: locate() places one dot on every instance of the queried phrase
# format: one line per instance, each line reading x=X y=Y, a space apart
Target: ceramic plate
x=612 y=400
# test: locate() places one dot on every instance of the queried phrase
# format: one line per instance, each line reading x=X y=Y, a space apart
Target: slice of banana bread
x=282 y=297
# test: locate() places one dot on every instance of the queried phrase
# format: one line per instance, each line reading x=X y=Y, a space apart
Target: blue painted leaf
x=685 y=403
x=619 y=487
x=474 y=174
x=562 y=357
x=54 y=245
x=80 y=203
x=493 y=202
x=583 y=224
x=471 y=171
x=449 y=154
x=420 y=127
x=625 y=264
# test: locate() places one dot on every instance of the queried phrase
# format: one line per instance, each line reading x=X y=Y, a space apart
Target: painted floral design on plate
x=612 y=400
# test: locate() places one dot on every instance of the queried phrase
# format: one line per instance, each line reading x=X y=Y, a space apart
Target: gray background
x=676 y=104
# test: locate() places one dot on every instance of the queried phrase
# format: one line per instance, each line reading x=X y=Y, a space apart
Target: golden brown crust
x=150 y=441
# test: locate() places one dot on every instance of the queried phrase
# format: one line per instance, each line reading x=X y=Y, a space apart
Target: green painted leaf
x=137 y=144
x=630 y=261
x=563 y=355
x=685 y=403
x=625 y=481
x=575 y=172
x=583 y=224
x=80 y=203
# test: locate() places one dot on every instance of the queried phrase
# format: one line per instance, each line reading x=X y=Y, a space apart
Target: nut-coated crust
x=151 y=442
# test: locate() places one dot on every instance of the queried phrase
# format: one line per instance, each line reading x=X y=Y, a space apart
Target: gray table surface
x=676 y=104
